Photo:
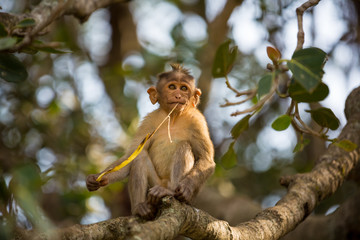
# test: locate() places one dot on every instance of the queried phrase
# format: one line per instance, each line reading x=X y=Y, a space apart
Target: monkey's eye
x=172 y=86
x=184 y=88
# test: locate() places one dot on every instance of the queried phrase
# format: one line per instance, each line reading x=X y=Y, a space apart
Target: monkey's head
x=175 y=86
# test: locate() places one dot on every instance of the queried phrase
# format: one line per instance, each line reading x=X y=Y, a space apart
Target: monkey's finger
x=153 y=199
x=104 y=181
x=92 y=188
x=145 y=211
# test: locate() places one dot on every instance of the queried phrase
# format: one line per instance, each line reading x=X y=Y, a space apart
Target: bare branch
x=259 y=104
x=46 y=13
x=251 y=93
x=300 y=12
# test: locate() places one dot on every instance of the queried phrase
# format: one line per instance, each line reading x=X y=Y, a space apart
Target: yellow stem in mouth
x=139 y=148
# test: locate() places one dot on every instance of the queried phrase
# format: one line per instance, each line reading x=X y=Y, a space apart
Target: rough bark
x=342 y=224
x=46 y=12
x=217 y=30
x=305 y=191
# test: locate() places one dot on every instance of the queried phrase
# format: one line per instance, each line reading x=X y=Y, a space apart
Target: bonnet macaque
x=176 y=166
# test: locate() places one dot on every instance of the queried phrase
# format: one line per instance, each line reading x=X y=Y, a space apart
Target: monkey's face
x=176 y=92
x=176 y=88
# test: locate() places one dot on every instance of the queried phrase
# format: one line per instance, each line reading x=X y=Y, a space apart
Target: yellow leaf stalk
x=138 y=149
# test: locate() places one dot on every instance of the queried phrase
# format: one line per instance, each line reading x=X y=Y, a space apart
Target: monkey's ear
x=197 y=95
x=153 y=94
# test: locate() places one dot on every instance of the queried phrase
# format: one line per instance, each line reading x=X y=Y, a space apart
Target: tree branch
x=300 y=12
x=47 y=12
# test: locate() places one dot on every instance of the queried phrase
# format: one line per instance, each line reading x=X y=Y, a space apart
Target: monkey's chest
x=163 y=150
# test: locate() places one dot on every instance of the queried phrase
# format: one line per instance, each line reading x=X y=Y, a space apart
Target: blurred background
x=76 y=112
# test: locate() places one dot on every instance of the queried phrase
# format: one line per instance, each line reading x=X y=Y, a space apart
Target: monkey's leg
x=182 y=163
x=142 y=173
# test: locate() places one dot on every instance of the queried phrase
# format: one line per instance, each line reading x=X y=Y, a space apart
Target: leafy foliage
x=281 y=123
x=264 y=85
x=305 y=85
x=224 y=59
x=11 y=69
x=300 y=94
x=240 y=127
x=229 y=159
x=325 y=118
x=307 y=67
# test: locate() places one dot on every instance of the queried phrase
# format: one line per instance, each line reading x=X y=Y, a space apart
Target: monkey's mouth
x=180 y=103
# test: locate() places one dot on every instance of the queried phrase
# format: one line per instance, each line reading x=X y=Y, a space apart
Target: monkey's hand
x=145 y=210
x=184 y=192
x=156 y=193
x=93 y=185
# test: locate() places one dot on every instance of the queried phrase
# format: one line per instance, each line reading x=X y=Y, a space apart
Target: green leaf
x=7 y=42
x=224 y=59
x=51 y=50
x=307 y=67
x=299 y=93
x=347 y=145
x=281 y=123
x=300 y=145
x=325 y=118
x=11 y=69
x=264 y=85
x=240 y=126
x=28 y=22
x=3 y=32
x=229 y=159
x=5 y=194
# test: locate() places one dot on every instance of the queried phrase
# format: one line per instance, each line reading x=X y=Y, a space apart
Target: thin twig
x=300 y=12
x=54 y=14
x=306 y=128
x=230 y=87
x=250 y=96
x=260 y=103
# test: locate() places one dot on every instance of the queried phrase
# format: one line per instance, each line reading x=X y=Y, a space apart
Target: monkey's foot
x=156 y=193
x=145 y=210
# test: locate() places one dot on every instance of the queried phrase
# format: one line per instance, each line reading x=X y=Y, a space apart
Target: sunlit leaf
x=3 y=32
x=229 y=159
x=28 y=22
x=281 y=123
x=273 y=53
x=11 y=69
x=240 y=126
x=307 y=67
x=264 y=85
x=7 y=42
x=346 y=144
x=299 y=93
x=325 y=118
x=224 y=59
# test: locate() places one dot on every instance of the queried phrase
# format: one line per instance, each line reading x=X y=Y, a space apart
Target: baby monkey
x=167 y=167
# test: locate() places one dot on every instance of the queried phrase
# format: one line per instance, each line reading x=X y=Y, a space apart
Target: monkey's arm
x=143 y=129
x=204 y=166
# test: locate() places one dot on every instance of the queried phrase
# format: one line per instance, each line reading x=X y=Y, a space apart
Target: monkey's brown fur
x=163 y=168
